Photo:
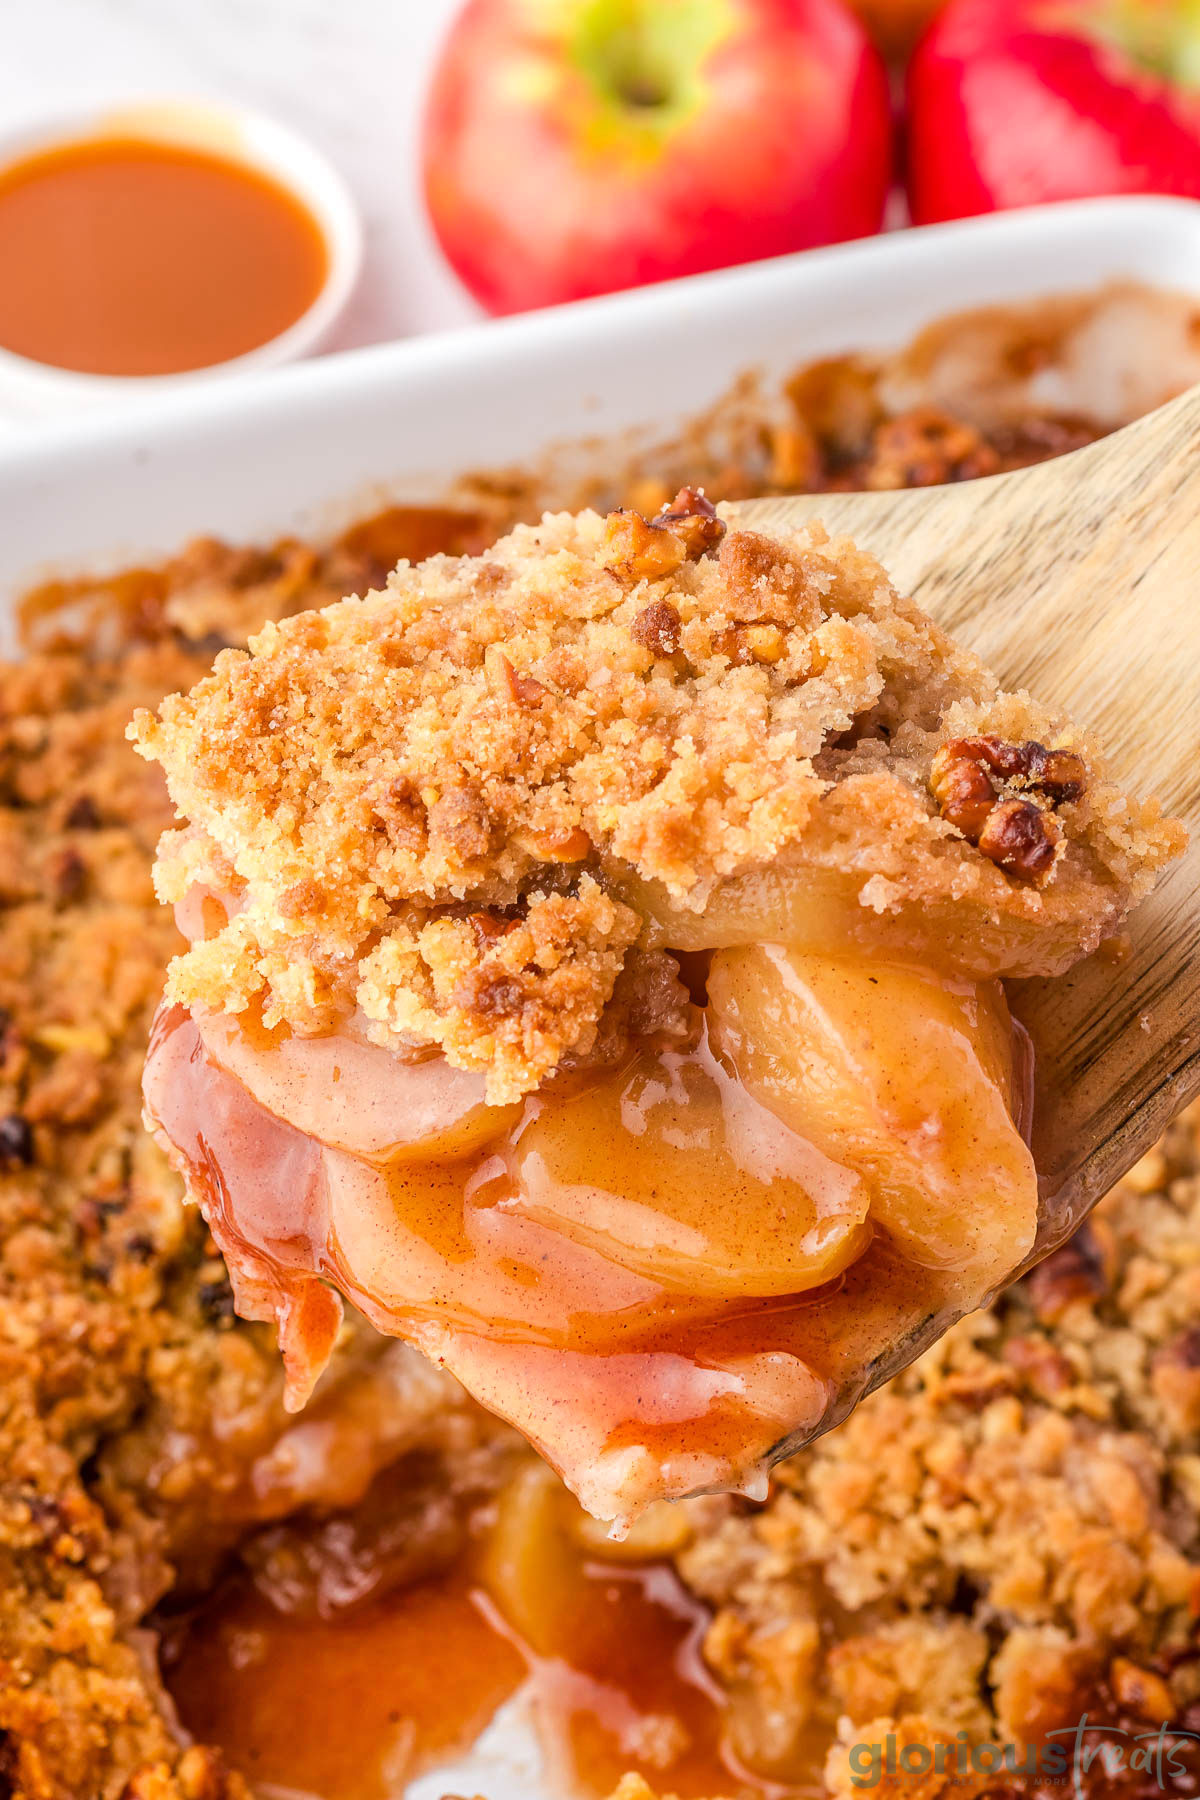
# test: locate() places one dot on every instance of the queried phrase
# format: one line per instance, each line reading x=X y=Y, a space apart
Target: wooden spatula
x=1080 y=580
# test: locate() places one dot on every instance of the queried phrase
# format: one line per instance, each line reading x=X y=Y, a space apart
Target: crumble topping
x=505 y=994
x=598 y=702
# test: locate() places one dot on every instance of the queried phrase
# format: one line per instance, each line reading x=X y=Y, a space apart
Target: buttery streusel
x=479 y=732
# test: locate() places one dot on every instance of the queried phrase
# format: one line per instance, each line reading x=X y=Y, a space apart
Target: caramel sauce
x=343 y=1709
x=130 y=256
x=412 y=533
x=607 y=1658
x=614 y=1376
x=665 y=1268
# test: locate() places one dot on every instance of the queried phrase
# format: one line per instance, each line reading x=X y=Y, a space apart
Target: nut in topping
x=692 y=518
x=981 y=784
x=508 y=684
x=657 y=628
x=637 y=551
x=1083 y=1271
x=565 y=846
x=1059 y=775
x=493 y=994
x=1175 y=1380
x=964 y=794
x=16 y=1143
x=1021 y=839
x=766 y=643
x=744 y=644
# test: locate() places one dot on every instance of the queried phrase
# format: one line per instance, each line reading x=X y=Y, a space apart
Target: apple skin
x=774 y=134
x=1014 y=102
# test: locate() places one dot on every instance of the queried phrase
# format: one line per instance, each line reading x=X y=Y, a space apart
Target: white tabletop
x=348 y=73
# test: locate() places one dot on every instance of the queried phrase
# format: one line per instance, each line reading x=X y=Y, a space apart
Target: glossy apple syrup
x=601 y=1660
x=499 y=1264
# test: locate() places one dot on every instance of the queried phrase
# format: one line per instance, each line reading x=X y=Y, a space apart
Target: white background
x=348 y=73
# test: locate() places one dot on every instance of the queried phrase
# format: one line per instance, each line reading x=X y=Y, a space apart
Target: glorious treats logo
x=1073 y=1758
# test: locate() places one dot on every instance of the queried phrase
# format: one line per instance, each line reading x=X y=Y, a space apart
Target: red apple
x=577 y=146
x=895 y=25
x=1016 y=101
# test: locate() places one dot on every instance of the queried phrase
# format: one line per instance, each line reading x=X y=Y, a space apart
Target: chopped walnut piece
x=964 y=794
x=1046 y=1369
x=693 y=519
x=976 y=1388
x=838 y=402
x=973 y=781
x=1059 y=775
x=795 y=464
x=635 y=550
x=766 y=643
x=487 y=927
x=16 y=1143
x=561 y=846
x=657 y=627
x=522 y=690
x=82 y=814
x=1021 y=839
x=744 y=644
x=67 y=875
x=490 y=996
x=649 y=1000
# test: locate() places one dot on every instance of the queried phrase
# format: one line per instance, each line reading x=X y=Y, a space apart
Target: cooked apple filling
x=596 y=976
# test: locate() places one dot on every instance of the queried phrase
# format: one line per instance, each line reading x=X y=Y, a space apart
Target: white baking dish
x=302 y=448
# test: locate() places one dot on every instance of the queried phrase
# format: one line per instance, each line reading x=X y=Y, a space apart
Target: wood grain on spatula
x=1079 y=579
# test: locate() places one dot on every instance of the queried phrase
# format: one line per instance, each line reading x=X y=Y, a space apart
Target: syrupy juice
x=598 y=1664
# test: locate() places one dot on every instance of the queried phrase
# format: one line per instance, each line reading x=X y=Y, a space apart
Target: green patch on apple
x=644 y=59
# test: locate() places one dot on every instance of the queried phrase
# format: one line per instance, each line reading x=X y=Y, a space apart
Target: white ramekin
x=31 y=390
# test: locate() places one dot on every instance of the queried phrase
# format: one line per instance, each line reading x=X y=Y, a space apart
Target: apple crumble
x=1007 y=1536
x=594 y=975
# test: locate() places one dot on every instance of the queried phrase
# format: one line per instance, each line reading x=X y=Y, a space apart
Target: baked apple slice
x=911 y=1078
x=676 y=1169
x=353 y=1095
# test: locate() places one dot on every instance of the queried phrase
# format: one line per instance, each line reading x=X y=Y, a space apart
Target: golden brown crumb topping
x=593 y=704
x=507 y=994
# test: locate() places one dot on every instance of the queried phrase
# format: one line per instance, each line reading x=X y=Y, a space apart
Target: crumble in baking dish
x=1007 y=1536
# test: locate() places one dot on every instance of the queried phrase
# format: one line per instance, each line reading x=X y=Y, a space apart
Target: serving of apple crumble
x=594 y=975
x=1004 y=1539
